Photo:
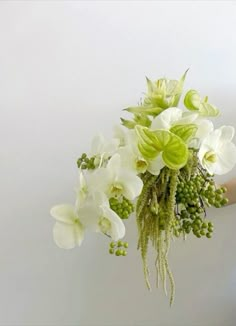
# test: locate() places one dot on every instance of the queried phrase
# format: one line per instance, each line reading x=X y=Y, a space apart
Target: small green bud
x=126 y=245
x=120 y=243
x=111 y=251
x=112 y=244
x=118 y=252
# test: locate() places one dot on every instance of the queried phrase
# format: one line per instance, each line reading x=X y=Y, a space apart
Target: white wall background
x=67 y=69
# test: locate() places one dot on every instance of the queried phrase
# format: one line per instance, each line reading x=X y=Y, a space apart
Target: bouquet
x=159 y=165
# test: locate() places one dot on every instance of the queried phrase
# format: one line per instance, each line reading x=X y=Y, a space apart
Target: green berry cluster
x=116 y=248
x=195 y=223
x=86 y=163
x=214 y=197
x=193 y=194
x=123 y=207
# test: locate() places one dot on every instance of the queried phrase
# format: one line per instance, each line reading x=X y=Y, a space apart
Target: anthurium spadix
x=171 y=147
x=97 y=216
x=217 y=153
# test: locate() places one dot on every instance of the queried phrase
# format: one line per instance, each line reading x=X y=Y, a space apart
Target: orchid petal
x=67 y=236
x=117 y=230
x=64 y=213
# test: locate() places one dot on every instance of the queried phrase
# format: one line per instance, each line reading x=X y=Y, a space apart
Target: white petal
x=89 y=215
x=227 y=133
x=131 y=183
x=156 y=165
x=188 y=117
x=99 y=180
x=67 y=236
x=114 y=163
x=226 y=159
x=127 y=156
x=64 y=213
x=111 y=146
x=97 y=144
x=167 y=118
x=117 y=226
x=204 y=128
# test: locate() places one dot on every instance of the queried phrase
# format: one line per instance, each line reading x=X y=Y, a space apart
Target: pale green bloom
x=68 y=230
x=164 y=93
x=217 y=153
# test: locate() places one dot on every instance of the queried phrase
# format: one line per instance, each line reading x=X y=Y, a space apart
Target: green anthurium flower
x=171 y=147
x=185 y=132
x=193 y=102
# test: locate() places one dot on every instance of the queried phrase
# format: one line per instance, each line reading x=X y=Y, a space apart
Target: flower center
x=104 y=224
x=116 y=189
x=210 y=156
x=141 y=166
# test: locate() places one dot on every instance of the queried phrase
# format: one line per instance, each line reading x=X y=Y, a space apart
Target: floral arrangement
x=161 y=166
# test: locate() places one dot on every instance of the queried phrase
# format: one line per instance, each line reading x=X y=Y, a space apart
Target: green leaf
x=153 y=143
x=179 y=89
x=153 y=111
x=149 y=85
x=128 y=123
x=185 y=132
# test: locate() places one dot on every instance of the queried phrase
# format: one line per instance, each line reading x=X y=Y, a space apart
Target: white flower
x=102 y=149
x=97 y=216
x=132 y=159
x=172 y=116
x=68 y=230
x=217 y=153
x=115 y=180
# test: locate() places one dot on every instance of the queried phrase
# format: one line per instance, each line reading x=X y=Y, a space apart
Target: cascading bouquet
x=160 y=165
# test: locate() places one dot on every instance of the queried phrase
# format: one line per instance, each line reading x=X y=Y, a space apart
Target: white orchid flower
x=102 y=149
x=217 y=153
x=68 y=230
x=97 y=216
x=172 y=116
x=115 y=180
x=132 y=159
